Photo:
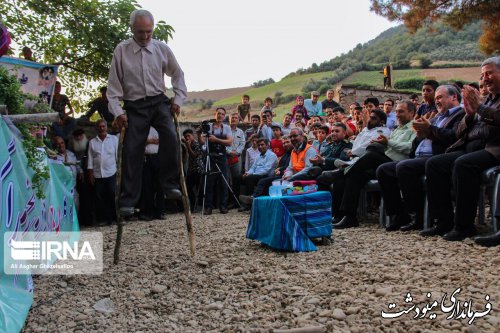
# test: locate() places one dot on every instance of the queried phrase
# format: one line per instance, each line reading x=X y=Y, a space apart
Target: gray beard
x=80 y=146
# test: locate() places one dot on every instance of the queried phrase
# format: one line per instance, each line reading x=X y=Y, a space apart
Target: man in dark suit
x=402 y=191
x=477 y=149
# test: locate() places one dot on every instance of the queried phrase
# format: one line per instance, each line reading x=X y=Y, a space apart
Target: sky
x=233 y=43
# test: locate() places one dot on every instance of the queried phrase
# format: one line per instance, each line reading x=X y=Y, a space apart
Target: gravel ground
x=237 y=285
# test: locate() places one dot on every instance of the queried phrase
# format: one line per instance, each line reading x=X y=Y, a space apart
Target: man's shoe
x=396 y=221
x=172 y=193
x=242 y=209
x=246 y=199
x=144 y=217
x=459 y=234
x=347 y=222
x=104 y=224
x=127 y=211
x=491 y=240
x=434 y=231
x=207 y=211
x=223 y=210
x=337 y=219
x=412 y=226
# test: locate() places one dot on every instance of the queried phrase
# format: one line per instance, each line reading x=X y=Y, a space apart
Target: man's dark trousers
x=357 y=176
x=152 y=199
x=462 y=172
x=251 y=182
x=105 y=199
x=403 y=177
x=141 y=114
x=216 y=183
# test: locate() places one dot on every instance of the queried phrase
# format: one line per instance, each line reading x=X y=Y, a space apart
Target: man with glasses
x=301 y=156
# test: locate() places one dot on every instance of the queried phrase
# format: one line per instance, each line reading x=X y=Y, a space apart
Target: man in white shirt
x=372 y=131
x=136 y=76
x=103 y=154
x=234 y=153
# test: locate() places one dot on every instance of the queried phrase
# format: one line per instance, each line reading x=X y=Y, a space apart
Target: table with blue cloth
x=290 y=222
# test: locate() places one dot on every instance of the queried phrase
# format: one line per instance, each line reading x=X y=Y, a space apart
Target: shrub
x=411 y=83
x=10 y=92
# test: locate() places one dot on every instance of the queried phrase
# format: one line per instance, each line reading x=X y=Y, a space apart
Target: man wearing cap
x=136 y=77
x=313 y=107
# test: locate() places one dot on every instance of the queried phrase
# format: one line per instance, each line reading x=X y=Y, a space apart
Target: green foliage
x=262 y=83
x=425 y=61
x=36 y=161
x=398 y=47
x=279 y=98
x=207 y=105
x=78 y=35
x=409 y=84
x=10 y=92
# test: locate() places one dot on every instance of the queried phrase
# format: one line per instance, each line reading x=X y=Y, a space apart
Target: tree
x=78 y=35
x=455 y=13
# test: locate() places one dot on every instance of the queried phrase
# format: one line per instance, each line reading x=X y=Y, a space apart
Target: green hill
x=395 y=45
x=441 y=48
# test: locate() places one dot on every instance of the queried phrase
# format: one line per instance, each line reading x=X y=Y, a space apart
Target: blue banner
x=21 y=211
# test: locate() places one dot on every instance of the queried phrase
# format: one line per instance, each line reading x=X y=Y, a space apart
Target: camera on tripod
x=205 y=127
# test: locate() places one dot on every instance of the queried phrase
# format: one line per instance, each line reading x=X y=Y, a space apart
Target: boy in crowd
x=320 y=142
x=244 y=108
x=287 y=124
x=268 y=102
x=428 y=109
x=298 y=118
x=340 y=116
x=391 y=122
x=276 y=142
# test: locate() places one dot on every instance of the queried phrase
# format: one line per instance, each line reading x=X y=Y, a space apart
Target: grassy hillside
x=289 y=85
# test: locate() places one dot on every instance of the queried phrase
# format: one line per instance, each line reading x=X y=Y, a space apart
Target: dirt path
x=238 y=285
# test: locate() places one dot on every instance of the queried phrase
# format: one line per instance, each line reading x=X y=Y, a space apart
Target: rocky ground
x=237 y=285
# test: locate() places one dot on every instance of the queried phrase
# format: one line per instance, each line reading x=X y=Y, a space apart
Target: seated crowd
x=436 y=149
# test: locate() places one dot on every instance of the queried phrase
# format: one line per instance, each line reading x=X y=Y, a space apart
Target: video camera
x=204 y=127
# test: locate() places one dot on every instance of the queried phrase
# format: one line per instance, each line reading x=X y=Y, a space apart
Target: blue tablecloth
x=288 y=223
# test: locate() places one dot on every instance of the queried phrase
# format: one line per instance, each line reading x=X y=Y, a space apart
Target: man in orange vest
x=300 y=159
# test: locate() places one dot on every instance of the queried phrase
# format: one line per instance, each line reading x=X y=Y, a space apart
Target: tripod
x=208 y=172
